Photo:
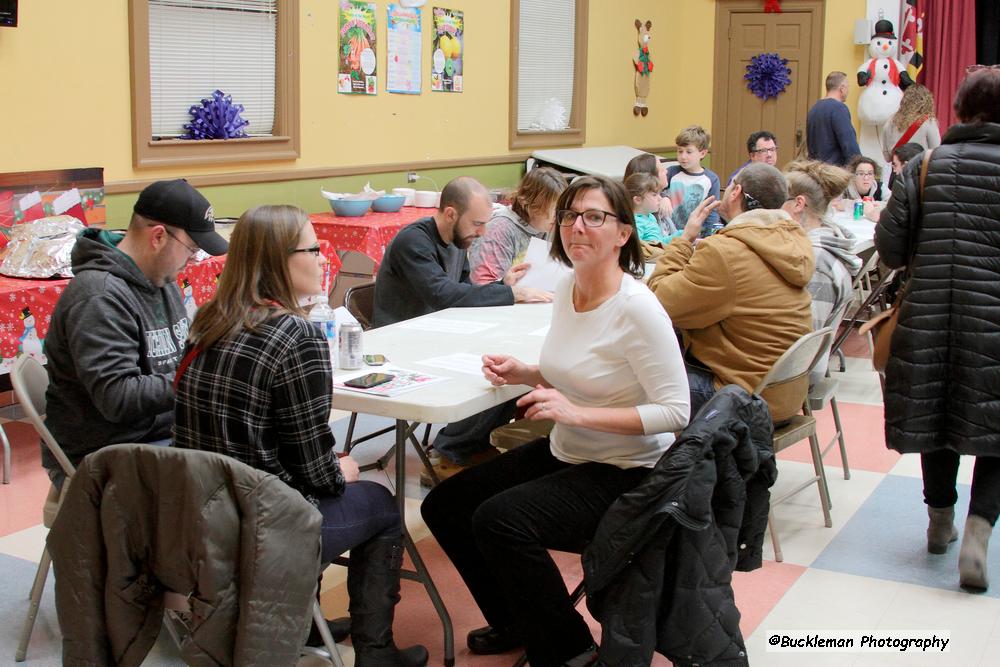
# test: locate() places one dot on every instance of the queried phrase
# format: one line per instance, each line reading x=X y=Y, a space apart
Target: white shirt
x=622 y=354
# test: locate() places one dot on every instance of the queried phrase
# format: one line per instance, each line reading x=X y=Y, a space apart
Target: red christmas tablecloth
x=26 y=305
x=369 y=233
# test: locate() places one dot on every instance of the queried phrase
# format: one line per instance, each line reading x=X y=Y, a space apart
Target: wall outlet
x=411 y=177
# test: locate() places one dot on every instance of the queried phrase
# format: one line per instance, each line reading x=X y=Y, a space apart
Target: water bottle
x=325 y=318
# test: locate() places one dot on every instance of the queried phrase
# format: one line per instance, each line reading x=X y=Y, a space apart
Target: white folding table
x=607 y=161
x=515 y=330
x=863 y=230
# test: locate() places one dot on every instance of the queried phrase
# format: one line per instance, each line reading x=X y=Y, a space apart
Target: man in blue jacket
x=830 y=134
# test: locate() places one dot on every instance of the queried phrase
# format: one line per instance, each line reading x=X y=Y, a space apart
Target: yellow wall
x=67 y=103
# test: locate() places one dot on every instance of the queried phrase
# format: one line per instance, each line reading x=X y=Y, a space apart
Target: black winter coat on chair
x=658 y=573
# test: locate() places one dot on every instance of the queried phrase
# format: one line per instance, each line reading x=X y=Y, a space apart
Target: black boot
x=373 y=586
x=340 y=628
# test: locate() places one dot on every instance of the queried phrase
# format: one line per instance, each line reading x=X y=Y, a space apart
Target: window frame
x=283 y=145
x=575 y=134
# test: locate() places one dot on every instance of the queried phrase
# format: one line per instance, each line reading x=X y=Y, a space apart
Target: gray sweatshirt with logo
x=112 y=347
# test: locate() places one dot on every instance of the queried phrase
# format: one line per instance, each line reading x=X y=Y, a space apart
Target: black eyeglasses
x=592 y=217
x=765 y=151
x=315 y=250
x=178 y=239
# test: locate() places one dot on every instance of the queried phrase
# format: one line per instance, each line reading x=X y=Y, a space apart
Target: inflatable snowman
x=881 y=79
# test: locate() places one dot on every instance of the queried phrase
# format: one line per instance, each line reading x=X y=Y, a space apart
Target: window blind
x=199 y=46
x=546 y=57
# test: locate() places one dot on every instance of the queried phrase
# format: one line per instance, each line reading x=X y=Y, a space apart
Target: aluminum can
x=859 y=210
x=351 y=353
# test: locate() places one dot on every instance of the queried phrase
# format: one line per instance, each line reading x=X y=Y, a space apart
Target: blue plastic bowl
x=351 y=208
x=388 y=203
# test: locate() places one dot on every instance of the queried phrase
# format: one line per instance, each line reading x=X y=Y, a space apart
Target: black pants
x=497 y=520
x=460 y=441
x=940 y=470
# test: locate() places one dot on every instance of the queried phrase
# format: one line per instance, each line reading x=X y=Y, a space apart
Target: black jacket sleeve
x=438 y=290
x=898 y=219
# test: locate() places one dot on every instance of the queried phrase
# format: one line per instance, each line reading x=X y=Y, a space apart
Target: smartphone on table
x=368 y=381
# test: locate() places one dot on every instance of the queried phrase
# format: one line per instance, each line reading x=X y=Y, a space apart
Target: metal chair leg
x=840 y=436
x=324 y=630
x=36 y=597
x=778 y=557
x=349 y=442
x=6 y=454
x=824 y=490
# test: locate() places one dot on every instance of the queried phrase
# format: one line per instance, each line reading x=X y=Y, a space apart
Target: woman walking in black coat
x=942 y=389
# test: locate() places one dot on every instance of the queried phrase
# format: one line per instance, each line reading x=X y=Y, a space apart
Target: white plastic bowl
x=426 y=198
x=405 y=192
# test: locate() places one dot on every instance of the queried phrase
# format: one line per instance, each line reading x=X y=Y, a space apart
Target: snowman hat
x=883 y=28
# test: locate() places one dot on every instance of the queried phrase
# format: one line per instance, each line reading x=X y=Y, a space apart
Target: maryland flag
x=911 y=43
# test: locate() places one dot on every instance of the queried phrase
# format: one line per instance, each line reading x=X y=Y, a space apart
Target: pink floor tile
x=21 y=500
x=757 y=592
x=863 y=432
x=856 y=346
x=417 y=622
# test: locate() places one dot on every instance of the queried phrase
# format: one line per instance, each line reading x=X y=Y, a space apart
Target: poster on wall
x=403 y=47
x=448 y=50
x=357 y=73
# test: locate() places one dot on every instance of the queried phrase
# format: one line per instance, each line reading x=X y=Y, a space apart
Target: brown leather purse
x=883 y=325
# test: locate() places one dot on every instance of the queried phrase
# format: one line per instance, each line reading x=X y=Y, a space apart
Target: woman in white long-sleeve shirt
x=612 y=379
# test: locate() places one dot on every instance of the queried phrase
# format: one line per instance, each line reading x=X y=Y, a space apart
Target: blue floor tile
x=886 y=539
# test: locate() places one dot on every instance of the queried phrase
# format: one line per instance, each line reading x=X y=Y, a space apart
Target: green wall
x=233 y=200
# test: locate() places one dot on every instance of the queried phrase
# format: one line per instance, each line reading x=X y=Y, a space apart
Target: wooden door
x=742 y=32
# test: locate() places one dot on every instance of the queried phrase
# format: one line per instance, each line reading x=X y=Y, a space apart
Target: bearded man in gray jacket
x=117 y=331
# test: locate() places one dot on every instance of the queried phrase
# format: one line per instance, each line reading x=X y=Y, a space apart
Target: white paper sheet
x=461 y=362
x=442 y=325
x=545 y=272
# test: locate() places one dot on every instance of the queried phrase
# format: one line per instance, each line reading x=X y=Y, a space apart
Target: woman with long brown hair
x=914 y=122
x=255 y=384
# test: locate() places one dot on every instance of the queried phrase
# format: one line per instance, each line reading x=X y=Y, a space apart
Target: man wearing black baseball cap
x=117 y=331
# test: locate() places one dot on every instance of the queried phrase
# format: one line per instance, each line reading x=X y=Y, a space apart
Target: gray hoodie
x=836 y=266
x=112 y=347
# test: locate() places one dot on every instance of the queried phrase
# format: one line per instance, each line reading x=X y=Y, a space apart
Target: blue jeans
x=364 y=511
x=701 y=383
x=496 y=522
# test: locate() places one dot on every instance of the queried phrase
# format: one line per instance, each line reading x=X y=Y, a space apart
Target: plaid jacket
x=264 y=398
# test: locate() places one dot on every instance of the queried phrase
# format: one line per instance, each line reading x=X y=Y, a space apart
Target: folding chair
x=794 y=364
x=30 y=381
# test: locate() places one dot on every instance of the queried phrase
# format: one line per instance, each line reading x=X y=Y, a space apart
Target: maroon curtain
x=949 y=47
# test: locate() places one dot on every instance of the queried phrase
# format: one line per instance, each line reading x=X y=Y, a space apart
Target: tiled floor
x=869 y=573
